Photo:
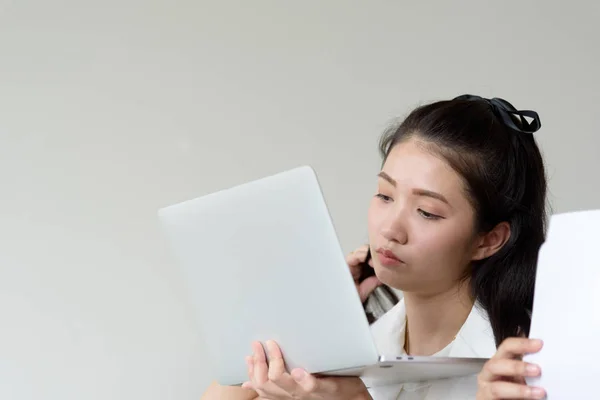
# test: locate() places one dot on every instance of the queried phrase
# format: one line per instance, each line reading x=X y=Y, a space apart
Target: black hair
x=489 y=144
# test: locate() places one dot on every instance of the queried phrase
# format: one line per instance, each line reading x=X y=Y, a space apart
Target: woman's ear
x=489 y=243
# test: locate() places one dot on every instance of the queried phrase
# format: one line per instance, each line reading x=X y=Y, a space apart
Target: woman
x=456 y=224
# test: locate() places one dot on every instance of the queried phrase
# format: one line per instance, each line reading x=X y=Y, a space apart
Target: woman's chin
x=391 y=279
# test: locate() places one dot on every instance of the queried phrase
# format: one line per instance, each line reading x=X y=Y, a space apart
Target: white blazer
x=475 y=339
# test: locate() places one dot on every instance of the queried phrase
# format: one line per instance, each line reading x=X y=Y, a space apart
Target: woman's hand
x=356 y=263
x=274 y=382
x=503 y=376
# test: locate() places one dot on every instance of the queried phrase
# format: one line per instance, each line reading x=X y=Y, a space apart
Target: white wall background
x=112 y=109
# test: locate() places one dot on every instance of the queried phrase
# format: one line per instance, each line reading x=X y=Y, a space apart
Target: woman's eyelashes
x=428 y=215
x=384 y=197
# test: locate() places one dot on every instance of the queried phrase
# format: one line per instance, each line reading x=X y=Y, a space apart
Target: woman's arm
x=218 y=392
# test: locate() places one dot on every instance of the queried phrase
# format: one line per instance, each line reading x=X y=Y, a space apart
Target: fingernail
x=254 y=346
x=538 y=342
x=532 y=369
x=537 y=393
x=298 y=374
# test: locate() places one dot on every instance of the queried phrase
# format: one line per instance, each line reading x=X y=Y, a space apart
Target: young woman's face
x=421 y=224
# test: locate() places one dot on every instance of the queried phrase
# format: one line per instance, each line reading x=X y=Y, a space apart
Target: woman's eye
x=428 y=215
x=383 y=197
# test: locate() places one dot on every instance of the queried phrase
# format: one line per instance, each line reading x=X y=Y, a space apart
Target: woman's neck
x=433 y=321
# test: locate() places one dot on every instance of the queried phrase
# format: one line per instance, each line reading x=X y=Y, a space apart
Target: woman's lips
x=388 y=258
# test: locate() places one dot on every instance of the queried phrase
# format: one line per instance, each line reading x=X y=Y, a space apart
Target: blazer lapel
x=388 y=332
x=475 y=338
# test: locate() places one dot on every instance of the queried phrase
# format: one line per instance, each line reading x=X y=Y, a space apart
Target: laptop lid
x=271 y=248
x=566 y=308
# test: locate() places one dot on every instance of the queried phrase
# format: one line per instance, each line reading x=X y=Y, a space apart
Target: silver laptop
x=262 y=261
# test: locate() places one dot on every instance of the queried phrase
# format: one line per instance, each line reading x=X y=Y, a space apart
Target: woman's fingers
x=309 y=383
x=505 y=363
x=506 y=367
x=250 y=367
x=328 y=387
x=517 y=347
x=502 y=377
x=277 y=371
x=269 y=378
x=260 y=369
x=514 y=368
x=510 y=390
x=275 y=382
x=276 y=363
x=366 y=287
x=356 y=258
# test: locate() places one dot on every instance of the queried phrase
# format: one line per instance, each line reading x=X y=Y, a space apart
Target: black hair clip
x=506 y=112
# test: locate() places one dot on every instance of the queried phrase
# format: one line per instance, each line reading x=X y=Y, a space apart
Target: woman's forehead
x=411 y=163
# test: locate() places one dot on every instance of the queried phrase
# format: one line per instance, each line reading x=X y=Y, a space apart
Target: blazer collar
x=475 y=338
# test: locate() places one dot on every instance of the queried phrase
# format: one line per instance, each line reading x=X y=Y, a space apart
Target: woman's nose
x=394 y=227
